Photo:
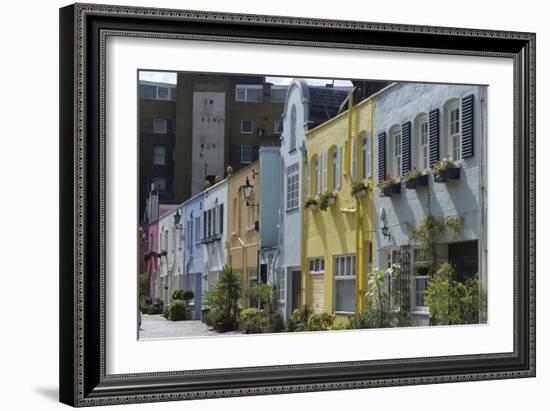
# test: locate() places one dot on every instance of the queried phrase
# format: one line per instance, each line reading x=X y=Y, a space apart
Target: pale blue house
x=193 y=256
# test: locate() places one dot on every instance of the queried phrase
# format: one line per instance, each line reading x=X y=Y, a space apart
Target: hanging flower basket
x=325 y=200
x=358 y=189
x=311 y=204
x=445 y=170
x=422 y=180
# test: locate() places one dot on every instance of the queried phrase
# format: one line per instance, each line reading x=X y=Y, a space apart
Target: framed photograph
x=261 y=204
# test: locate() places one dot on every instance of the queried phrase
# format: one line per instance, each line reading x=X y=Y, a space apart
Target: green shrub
x=177 y=294
x=222 y=300
x=298 y=320
x=187 y=295
x=452 y=302
x=155 y=308
x=178 y=311
x=166 y=312
x=320 y=322
x=253 y=320
x=340 y=326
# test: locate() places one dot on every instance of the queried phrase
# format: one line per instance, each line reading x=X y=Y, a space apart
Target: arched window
x=366 y=154
x=396 y=151
x=421 y=143
x=293 y=127
x=335 y=166
x=453 y=146
x=317 y=177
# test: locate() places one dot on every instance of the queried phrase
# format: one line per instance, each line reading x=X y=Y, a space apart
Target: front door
x=296 y=289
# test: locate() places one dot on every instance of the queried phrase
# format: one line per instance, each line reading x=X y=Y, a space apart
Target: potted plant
x=358 y=189
x=445 y=170
x=311 y=204
x=326 y=199
x=389 y=186
x=229 y=170
x=414 y=178
x=422 y=268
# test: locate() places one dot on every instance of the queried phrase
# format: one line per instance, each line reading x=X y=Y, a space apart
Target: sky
x=170 y=77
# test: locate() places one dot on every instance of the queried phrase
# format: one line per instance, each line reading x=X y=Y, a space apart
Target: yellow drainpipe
x=303 y=297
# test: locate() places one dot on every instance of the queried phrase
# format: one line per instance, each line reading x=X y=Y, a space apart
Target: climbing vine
x=428 y=232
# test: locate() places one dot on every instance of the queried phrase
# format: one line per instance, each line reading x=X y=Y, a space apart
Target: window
x=197 y=229
x=344 y=283
x=317 y=265
x=420 y=281
x=249 y=93
x=246 y=154
x=159 y=126
x=422 y=142
x=277 y=126
x=324 y=166
x=146 y=91
x=292 y=128
x=163 y=92
x=336 y=169
x=397 y=151
x=317 y=177
x=292 y=186
x=366 y=154
x=159 y=183
x=278 y=94
x=280 y=285
x=453 y=130
x=250 y=218
x=159 y=155
x=246 y=126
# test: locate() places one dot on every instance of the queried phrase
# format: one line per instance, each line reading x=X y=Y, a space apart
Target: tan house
x=242 y=225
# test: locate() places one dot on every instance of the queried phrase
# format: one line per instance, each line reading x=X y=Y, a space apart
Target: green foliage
x=357 y=187
x=411 y=175
x=143 y=284
x=183 y=294
x=442 y=165
x=456 y=225
x=299 y=318
x=166 y=312
x=253 y=320
x=427 y=234
x=266 y=295
x=222 y=299
x=320 y=322
x=229 y=170
x=379 y=313
x=310 y=202
x=340 y=326
x=178 y=311
x=452 y=302
x=388 y=181
x=144 y=306
x=324 y=200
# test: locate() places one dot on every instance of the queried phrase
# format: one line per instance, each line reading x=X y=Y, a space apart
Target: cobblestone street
x=156 y=326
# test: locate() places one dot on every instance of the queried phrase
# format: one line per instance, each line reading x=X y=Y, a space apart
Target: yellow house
x=242 y=234
x=338 y=214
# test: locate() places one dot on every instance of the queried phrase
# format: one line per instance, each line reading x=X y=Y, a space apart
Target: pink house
x=152 y=262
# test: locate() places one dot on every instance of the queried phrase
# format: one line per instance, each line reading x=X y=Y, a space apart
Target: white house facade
x=170 y=253
x=417 y=126
x=214 y=232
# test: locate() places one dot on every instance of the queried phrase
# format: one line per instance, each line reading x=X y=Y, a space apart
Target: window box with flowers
x=445 y=170
x=311 y=204
x=389 y=186
x=358 y=189
x=326 y=200
x=414 y=178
